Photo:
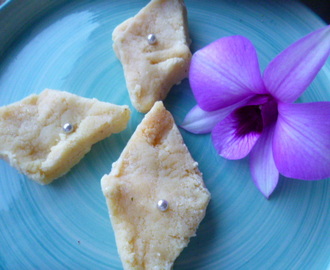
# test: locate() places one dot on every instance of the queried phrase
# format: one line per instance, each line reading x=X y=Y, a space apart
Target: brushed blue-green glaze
x=67 y=45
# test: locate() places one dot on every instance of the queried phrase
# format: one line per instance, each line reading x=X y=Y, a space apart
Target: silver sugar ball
x=152 y=39
x=162 y=205
x=67 y=128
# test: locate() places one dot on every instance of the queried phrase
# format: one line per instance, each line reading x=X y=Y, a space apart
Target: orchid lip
x=252 y=118
x=249 y=119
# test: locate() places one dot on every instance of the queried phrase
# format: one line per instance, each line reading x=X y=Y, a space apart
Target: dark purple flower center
x=269 y=112
x=253 y=118
x=249 y=119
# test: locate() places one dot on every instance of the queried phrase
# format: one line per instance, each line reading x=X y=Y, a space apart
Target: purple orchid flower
x=250 y=113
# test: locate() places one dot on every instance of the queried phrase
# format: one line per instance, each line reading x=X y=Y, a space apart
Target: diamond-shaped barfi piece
x=155 y=194
x=153 y=48
x=45 y=135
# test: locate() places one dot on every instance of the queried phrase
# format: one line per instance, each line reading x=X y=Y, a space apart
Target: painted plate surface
x=65 y=225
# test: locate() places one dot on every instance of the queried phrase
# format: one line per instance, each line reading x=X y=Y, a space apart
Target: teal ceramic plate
x=67 y=45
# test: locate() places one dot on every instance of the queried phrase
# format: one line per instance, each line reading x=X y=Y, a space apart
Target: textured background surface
x=65 y=225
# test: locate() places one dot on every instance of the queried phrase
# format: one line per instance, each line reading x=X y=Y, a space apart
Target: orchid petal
x=258 y=100
x=291 y=72
x=199 y=121
x=301 y=142
x=225 y=72
x=264 y=172
x=235 y=136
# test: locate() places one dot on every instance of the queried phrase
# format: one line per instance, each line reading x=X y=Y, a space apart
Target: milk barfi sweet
x=45 y=135
x=155 y=194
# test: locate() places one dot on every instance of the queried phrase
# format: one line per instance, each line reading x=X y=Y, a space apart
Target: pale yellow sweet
x=154 y=165
x=32 y=139
x=151 y=70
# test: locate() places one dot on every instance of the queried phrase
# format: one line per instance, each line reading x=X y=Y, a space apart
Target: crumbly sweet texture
x=31 y=134
x=151 y=70
x=154 y=165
